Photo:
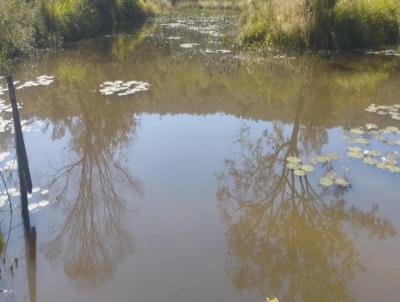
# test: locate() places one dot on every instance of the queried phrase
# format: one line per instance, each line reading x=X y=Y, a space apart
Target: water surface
x=182 y=193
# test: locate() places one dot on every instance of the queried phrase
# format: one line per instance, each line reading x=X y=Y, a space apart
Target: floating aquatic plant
x=357 y=131
x=188 y=45
x=122 y=88
x=363 y=141
x=307 y=168
x=342 y=182
x=326 y=181
x=293 y=166
x=293 y=159
x=43 y=80
x=370 y=157
x=393 y=111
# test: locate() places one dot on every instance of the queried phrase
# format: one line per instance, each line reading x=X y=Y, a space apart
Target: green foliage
x=365 y=23
x=321 y=24
x=75 y=19
x=27 y=25
x=17 y=28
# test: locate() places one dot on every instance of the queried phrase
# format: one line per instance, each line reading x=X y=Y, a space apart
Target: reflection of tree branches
x=92 y=239
x=287 y=238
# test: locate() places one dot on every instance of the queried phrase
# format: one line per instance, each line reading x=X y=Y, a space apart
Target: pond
x=170 y=166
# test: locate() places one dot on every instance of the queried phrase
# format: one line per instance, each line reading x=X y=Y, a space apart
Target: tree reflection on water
x=92 y=239
x=286 y=236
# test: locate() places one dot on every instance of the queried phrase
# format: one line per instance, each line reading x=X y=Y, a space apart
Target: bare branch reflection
x=92 y=240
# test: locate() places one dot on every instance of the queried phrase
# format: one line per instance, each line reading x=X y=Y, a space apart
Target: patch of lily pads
x=121 y=88
x=43 y=80
x=392 y=111
x=331 y=179
x=36 y=201
x=386 y=161
x=362 y=135
x=301 y=169
x=388 y=135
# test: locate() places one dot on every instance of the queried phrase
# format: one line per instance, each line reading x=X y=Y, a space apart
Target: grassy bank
x=28 y=25
x=320 y=24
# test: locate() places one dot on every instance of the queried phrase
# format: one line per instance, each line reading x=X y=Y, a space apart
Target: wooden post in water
x=24 y=174
x=30 y=251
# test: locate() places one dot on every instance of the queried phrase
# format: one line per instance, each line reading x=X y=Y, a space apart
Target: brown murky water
x=182 y=192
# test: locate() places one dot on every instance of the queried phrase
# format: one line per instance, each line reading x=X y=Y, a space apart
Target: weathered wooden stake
x=24 y=174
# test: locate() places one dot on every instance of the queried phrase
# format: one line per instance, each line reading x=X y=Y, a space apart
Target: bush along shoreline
x=28 y=25
x=320 y=24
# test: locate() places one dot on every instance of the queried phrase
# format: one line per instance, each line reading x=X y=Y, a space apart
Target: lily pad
x=382 y=165
x=326 y=182
x=375 y=153
x=354 y=149
x=322 y=159
x=43 y=203
x=299 y=173
x=371 y=126
x=363 y=141
x=307 y=168
x=394 y=169
x=293 y=166
x=331 y=156
x=293 y=159
x=32 y=206
x=357 y=155
x=392 y=129
x=370 y=161
x=342 y=182
x=371 y=109
x=357 y=131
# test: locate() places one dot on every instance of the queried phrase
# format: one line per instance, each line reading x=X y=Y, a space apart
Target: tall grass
x=320 y=24
x=17 y=28
x=27 y=25
x=366 y=23
x=75 y=19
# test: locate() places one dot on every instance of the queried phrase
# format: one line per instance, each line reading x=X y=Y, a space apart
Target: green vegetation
x=28 y=25
x=210 y=4
x=18 y=28
x=321 y=24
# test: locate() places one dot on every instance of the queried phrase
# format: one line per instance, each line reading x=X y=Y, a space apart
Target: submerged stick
x=24 y=174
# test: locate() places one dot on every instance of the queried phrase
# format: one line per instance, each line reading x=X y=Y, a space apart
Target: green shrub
x=321 y=24
x=75 y=19
x=366 y=23
x=27 y=25
x=17 y=28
